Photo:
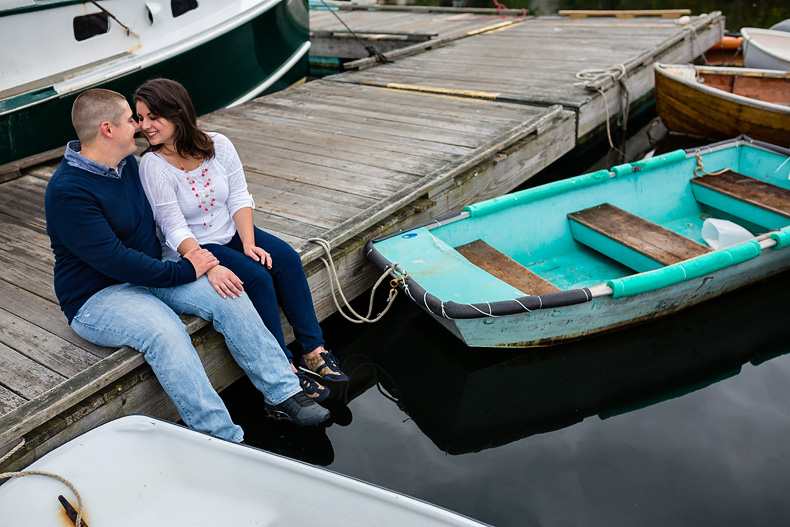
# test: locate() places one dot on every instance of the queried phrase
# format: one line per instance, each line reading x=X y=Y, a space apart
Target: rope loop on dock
x=591 y=77
x=72 y=488
x=700 y=171
x=355 y=317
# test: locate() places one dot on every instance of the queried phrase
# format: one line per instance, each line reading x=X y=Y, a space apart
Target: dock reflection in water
x=689 y=431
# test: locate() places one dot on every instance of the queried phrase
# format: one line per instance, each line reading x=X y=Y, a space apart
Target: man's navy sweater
x=103 y=233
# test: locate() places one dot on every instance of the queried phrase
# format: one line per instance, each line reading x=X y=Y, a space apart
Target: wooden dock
x=341 y=32
x=345 y=159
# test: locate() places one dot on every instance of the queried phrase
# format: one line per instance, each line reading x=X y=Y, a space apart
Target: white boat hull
x=766 y=49
x=139 y=471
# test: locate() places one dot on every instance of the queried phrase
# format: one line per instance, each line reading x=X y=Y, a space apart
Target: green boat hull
x=216 y=74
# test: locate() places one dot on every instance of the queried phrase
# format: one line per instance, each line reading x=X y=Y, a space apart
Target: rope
x=590 y=78
x=8 y=475
x=334 y=279
x=370 y=48
x=700 y=171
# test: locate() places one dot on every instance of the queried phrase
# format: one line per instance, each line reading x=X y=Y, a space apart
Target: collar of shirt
x=77 y=160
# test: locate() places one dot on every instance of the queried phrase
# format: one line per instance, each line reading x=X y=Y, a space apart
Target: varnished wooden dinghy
x=720 y=103
x=600 y=251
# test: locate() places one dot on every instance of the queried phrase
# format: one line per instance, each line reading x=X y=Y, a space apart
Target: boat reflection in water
x=466 y=400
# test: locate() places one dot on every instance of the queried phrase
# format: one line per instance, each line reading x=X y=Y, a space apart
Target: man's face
x=126 y=130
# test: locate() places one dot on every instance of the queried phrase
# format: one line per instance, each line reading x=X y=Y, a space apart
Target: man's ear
x=106 y=129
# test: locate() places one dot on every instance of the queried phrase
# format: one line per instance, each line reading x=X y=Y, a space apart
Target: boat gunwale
x=613 y=287
x=721 y=94
x=748 y=40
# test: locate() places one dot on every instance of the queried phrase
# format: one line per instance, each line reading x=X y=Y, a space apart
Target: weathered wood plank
x=624 y=13
x=25 y=377
x=9 y=400
x=752 y=191
x=43 y=347
x=638 y=234
x=505 y=268
x=45 y=314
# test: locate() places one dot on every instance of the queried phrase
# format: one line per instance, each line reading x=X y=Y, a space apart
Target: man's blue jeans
x=284 y=285
x=146 y=319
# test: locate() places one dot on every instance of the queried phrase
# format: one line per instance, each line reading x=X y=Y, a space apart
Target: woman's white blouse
x=198 y=204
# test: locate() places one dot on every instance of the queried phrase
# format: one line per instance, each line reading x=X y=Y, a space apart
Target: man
x=115 y=290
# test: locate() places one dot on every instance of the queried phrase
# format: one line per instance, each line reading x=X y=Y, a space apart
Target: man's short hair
x=92 y=108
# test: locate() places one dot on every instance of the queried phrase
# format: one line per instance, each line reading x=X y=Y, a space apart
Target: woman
x=197 y=189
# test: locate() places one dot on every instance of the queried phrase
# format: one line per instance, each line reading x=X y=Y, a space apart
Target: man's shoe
x=299 y=409
x=313 y=389
x=325 y=366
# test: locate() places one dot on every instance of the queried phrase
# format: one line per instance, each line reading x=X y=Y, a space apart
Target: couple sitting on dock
x=119 y=286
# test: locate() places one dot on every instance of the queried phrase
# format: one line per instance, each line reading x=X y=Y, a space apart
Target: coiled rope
x=8 y=475
x=617 y=73
x=355 y=317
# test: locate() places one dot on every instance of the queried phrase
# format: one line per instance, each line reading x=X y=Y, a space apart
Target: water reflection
x=650 y=426
x=466 y=400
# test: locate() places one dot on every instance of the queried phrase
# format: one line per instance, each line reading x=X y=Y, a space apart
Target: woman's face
x=158 y=130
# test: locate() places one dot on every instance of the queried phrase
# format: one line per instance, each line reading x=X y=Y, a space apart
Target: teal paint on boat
x=604 y=287
x=444 y=266
x=782 y=238
x=681 y=272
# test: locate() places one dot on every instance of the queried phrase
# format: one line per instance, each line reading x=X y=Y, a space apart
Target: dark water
x=684 y=421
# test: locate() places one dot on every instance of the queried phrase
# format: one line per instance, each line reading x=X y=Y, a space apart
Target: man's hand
x=225 y=281
x=202 y=260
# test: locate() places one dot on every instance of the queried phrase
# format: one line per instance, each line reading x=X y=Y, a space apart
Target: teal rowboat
x=599 y=251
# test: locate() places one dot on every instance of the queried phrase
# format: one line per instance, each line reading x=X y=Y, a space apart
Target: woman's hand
x=259 y=255
x=225 y=281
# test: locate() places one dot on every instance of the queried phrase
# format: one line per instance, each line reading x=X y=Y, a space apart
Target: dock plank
x=45 y=314
x=9 y=400
x=49 y=350
x=477 y=65
x=25 y=377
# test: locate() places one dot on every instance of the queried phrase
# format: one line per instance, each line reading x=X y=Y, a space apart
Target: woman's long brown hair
x=168 y=99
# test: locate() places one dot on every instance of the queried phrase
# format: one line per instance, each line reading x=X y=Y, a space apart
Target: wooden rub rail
x=633 y=241
x=506 y=269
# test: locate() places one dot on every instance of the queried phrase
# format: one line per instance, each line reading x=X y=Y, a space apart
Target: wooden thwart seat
x=638 y=243
x=505 y=268
x=749 y=190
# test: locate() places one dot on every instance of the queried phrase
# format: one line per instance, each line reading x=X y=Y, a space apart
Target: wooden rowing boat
x=138 y=471
x=766 y=48
x=720 y=103
x=599 y=251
